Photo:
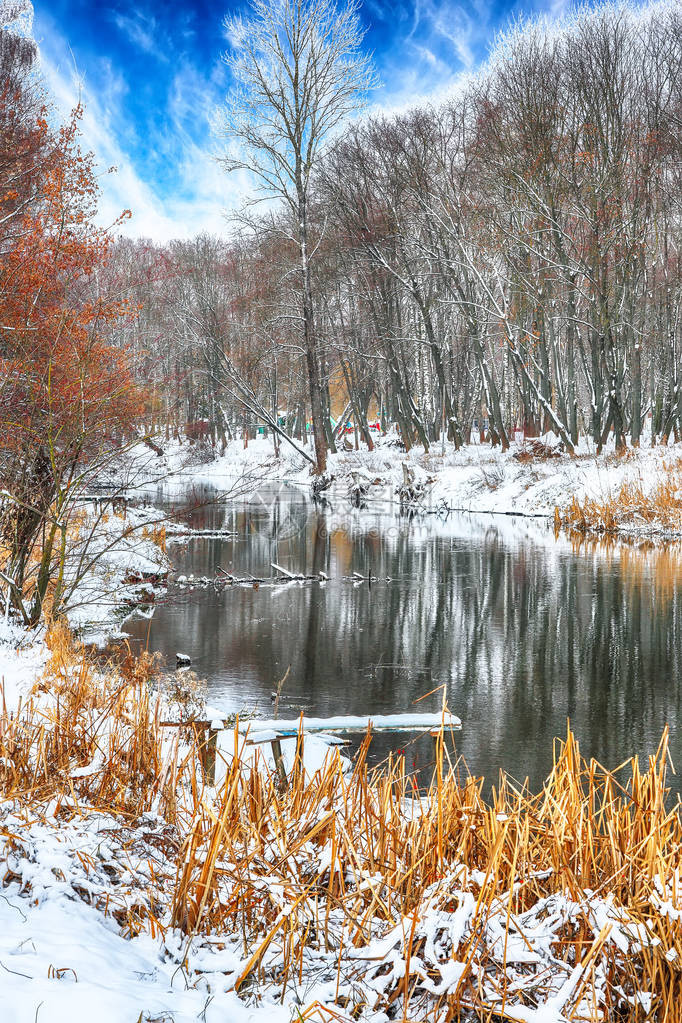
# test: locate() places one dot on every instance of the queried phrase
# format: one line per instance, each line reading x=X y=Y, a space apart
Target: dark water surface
x=522 y=630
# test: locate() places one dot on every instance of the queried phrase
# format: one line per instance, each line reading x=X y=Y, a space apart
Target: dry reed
x=89 y=732
x=354 y=894
x=631 y=506
x=431 y=903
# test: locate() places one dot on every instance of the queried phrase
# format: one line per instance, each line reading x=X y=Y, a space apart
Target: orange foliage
x=62 y=385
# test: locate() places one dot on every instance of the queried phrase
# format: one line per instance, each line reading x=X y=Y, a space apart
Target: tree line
x=509 y=259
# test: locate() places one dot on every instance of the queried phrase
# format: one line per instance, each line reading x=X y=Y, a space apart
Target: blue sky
x=151 y=76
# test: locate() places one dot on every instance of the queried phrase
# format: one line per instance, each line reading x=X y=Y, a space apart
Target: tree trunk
x=310 y=346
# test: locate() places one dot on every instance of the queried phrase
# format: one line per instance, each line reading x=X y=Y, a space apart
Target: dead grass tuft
x=87 y=734
x=157 y=534
x=631 y=506
x=324 y=868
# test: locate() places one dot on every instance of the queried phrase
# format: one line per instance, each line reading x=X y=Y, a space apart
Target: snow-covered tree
x=299 y=71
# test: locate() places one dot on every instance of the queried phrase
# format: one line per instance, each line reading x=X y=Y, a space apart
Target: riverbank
x=133 y=889
x=117 y=565
x=113 y=564
x=637 y=494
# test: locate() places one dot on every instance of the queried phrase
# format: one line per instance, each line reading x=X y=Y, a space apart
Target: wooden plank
x=279 y=762
x=211 y=749
x=298 y=756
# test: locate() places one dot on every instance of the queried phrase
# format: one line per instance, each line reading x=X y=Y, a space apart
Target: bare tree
x=509 y=261
x=299 y=72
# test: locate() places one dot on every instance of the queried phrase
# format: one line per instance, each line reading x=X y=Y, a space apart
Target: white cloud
x=426 y=54
x=435 y=55
x=181 y=189
x=443 y=44
x=141 y=30
x=200 y=191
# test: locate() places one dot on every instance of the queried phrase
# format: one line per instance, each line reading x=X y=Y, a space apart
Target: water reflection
x=523 y=631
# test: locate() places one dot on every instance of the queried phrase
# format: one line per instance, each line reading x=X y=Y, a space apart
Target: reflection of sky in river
x=523 y=631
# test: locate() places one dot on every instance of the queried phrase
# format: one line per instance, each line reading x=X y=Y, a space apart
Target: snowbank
x=477 y=478
x=126 y=571
x=22 y=658
x=63 y=957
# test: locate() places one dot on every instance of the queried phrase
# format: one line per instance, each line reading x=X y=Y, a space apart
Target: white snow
x=113 y=565
x=22 y=658
x=355 y=723
x=63 y=960
x=477 y=478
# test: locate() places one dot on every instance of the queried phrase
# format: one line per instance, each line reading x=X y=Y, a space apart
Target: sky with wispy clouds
x=151 y=76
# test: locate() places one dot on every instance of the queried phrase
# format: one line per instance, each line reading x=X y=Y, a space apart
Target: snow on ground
x=64 y=960
x=481 y=479
x=78 y=887
x=477 y=478
x=73 y=881
x=126 y=568
x=22 y=658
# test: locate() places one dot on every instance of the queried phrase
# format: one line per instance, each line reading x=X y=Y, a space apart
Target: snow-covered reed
x=630 y=507
x=349 y=895
x=391 y=903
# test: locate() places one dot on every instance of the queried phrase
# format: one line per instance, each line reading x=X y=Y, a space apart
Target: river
x=523 y=630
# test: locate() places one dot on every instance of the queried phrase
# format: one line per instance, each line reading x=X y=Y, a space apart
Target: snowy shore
x=151 y=896
x=478 y=478
x=87 y=891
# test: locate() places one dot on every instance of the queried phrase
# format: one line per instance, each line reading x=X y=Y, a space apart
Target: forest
x=507 y=261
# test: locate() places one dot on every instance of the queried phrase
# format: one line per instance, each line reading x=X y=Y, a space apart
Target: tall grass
x=86 y=733
x=372 y=896
x=632 y=505
x=332 y=865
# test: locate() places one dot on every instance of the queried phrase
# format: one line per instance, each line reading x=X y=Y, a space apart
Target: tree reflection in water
x=523 y=631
